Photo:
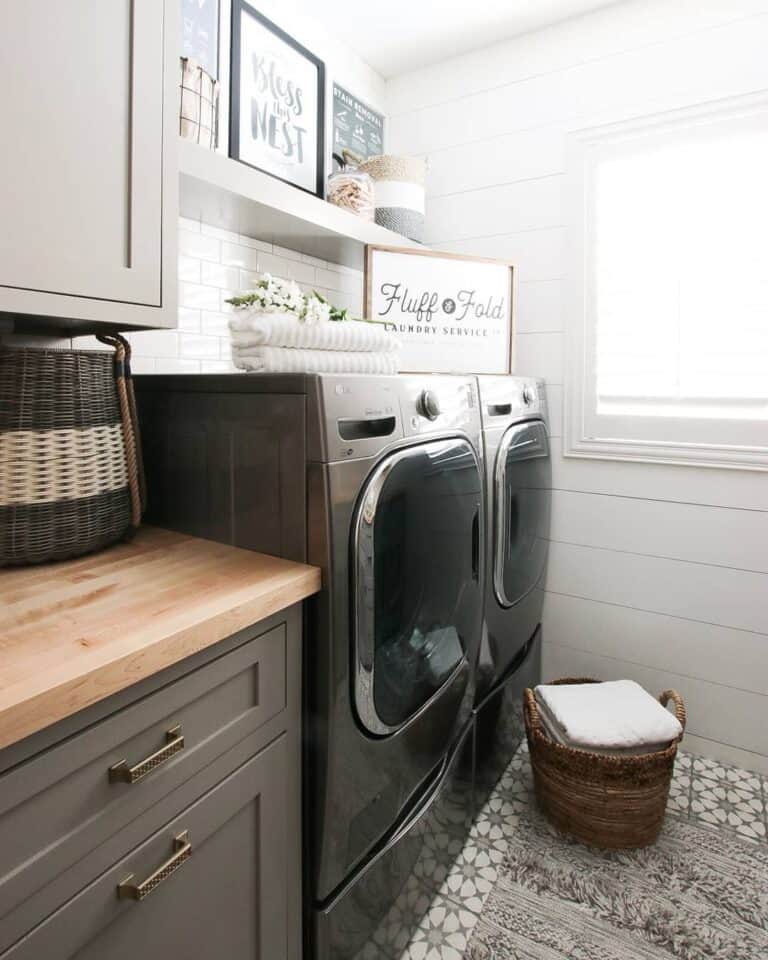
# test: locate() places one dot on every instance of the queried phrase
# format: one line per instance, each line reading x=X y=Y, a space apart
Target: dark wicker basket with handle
x=70 y=464
x=605 y=801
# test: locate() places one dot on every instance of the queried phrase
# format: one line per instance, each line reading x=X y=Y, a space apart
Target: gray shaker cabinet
x=88 y=170
x=200 y=856
x=205 y=885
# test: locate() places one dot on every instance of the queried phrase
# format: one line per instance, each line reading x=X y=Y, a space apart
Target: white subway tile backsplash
x=348 y=282
x=177 y=366
x=236 y=255
x=217 y=275
x=199 y=347
x=189 y=268
x=198 y=245
x=143 y=364
x=342 y=268
x=224 y=296
x=219 y=232
x=215 y=324
x=315 y=261
x=214 y=265
x=198 y=297
x=159 y=344
x=255 y=244
x=248 y=279
x=290 y=269
x=286 y=253
x=277 y=266
x=189 y=320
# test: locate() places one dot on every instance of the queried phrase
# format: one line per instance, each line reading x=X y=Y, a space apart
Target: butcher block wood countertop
x=73 y=633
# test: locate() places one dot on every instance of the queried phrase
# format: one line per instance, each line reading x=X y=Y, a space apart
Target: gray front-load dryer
x=518 y=482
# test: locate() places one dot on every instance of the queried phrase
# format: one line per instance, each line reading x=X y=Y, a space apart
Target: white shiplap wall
x=657 y=572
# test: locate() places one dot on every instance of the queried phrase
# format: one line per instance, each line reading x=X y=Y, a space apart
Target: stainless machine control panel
x=437 y=404
x=360 y=415
x=507 y=399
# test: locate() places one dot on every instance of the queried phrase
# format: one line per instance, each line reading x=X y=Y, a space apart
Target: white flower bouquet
x=275 y=295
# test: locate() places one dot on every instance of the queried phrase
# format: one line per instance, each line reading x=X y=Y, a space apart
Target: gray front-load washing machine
x=378 y=481
x=518 y=482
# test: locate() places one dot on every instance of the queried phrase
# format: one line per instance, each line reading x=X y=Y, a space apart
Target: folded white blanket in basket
x=616 y=716
x=288 y=360
x=254 y=328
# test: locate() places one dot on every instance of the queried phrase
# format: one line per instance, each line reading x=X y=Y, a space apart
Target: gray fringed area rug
x=698 y=894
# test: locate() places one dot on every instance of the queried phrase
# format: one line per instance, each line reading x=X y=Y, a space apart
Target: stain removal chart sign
x=356 y=126
x=452 y=314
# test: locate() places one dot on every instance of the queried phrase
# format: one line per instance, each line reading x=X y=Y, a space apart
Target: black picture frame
x=240 y=9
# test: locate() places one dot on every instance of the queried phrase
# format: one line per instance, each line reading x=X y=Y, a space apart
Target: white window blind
x=671 y=350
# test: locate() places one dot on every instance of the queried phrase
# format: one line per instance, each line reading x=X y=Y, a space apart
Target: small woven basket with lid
x=71 y=480
x=604 y=801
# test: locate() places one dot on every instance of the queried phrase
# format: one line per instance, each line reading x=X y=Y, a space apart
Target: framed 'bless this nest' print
x=277 y=99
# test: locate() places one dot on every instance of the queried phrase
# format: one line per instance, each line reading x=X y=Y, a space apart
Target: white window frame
x=580 y=379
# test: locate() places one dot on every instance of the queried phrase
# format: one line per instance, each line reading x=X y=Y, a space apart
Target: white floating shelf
x=231 y=195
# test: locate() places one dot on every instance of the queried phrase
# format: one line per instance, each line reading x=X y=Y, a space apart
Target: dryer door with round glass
x=522 y=494
x=416 y=566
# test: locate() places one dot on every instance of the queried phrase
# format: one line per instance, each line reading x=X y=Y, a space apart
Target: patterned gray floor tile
x=497 y=821
x=715 y=770
x=403 y=918
x=702 y=790
x=440 y=851
x=728 y=797
x=443 y=933
x=473 y=875
x=679 y=802
x=517 y=780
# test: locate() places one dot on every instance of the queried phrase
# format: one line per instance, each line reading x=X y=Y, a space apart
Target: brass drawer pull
x=128 y=890
x=121 y=773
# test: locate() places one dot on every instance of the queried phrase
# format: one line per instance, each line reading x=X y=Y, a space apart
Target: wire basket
x=198 y=105
x=71 y=478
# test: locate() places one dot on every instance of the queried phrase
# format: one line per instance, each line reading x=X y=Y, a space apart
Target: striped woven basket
x=605 y=801
x=71 y=479
x=399 y=192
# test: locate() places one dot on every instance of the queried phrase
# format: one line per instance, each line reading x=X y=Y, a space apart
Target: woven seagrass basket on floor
x=70 y=465
x=604 y=801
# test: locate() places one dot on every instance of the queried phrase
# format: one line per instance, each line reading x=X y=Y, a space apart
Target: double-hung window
x=668 y=305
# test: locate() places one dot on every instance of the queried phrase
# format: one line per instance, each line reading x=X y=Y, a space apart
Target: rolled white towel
x=257 y=328
x=289 y=360
x=614 y=716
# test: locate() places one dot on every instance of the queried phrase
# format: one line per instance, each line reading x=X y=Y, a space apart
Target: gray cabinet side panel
x=228 y=467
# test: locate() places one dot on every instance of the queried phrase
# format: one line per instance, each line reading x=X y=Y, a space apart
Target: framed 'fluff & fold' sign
x=452 y=313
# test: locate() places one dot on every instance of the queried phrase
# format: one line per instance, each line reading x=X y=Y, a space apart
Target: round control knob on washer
x=428 y=405
x=527 y=395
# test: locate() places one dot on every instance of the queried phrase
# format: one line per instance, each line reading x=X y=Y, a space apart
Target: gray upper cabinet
x=88 y=171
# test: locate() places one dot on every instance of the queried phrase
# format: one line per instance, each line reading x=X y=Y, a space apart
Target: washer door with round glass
x=417 y=597
x=522 y=495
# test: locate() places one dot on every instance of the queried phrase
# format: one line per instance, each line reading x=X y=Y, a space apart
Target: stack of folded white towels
x=617 y=718
x=275 y=342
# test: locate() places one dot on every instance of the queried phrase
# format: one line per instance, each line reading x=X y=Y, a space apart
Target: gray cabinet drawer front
x=230 y=898
x=61 y=805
